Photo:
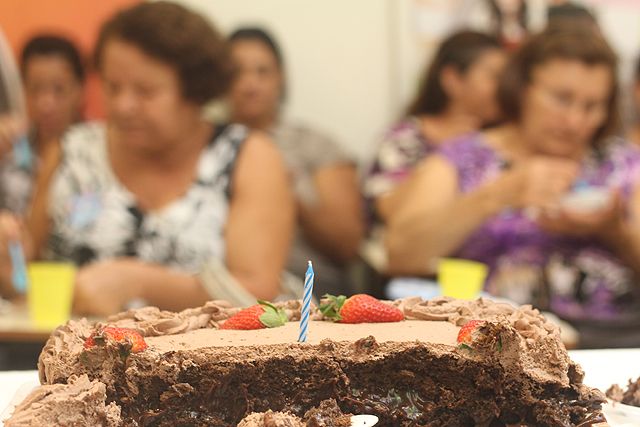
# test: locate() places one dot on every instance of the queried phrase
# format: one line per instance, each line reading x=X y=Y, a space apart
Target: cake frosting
x=327 y=414
x=406 y=372
x=79 y=402
x=271 y=419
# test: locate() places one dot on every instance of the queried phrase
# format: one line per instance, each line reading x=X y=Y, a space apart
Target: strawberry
x=118 y=336
x=259 y=316
x=465 y=335
x=359 y=308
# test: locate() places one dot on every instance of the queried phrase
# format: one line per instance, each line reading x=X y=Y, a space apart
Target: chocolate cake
x=630 y=396
x=412 y=372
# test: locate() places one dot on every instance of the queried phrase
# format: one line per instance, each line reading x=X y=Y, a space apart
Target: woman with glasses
x=549 y=200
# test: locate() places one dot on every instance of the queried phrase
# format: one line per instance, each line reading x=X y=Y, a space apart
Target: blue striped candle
x=306 y=304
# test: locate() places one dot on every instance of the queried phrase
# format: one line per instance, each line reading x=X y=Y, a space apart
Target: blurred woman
x=145 y=200
x=457 y=96
x=330 y=223
x=633 y=132
x=548 y=200
x=53 y=76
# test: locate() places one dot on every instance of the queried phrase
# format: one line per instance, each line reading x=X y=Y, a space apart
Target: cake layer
x=407 y=383
x=406 y=331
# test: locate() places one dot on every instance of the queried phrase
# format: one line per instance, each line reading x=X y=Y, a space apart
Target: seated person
x=330 y=223
x=145 y=200
x=457 y=96
x=499 y=196
x=53 y=76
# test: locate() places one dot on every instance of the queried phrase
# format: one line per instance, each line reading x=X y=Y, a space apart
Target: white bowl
x=621 y=415
x=587 y=200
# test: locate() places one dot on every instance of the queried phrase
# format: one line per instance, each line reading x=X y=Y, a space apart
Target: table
x=605 y=367
x=602 y=368
x=15 y=325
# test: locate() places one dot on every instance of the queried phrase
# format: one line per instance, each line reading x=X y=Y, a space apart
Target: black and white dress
x=94 y=217
x=17 y=175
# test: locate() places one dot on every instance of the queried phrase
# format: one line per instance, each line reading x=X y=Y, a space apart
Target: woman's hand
x=11 y=230
x=105 y=287
x=537 y=183
x=12 y=127
x=598 y=224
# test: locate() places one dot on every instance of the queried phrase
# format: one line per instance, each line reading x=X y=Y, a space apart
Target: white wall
x=337 y=59
x=353 y=65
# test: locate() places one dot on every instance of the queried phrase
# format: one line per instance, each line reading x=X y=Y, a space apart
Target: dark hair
x=573 y=42
x=460 y=50
x=260 y=35
x=498 y=18
x=569 y=13
x=178 y=37
x=52 y=45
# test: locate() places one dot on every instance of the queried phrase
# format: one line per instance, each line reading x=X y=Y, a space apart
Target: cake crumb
x=629 y=397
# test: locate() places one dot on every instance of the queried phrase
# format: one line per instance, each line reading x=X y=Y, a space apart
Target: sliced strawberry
x=259 y=316
x=465 y=335
x=114 y=335
x=359 y=308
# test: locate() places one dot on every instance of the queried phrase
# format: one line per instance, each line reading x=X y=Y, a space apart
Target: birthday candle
x=306 y=303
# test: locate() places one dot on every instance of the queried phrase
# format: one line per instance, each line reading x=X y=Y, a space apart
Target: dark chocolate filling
x=414 y=386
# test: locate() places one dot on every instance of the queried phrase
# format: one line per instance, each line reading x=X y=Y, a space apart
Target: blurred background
x=374 y=51
x=350 y=69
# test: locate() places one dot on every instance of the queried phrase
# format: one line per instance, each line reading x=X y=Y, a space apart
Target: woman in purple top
x=504 y=196
x=457 y=96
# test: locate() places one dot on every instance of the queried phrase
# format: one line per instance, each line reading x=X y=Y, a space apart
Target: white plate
x=21 y=393
x=364 y=420
x=620 y=415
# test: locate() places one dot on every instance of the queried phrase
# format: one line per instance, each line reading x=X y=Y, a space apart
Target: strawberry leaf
x=268 y=307
x=271 y=319
x=125 y=351
x=331 y=309
x=465 y=347
x=272 y=316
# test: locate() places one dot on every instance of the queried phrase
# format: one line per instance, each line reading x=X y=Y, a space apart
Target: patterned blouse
x=95 y=217
x=17 y=174
x=578 y=278
x=401 y=149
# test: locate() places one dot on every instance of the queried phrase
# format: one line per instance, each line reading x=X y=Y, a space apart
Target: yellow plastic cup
x=461 y=278
x=50 y=293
